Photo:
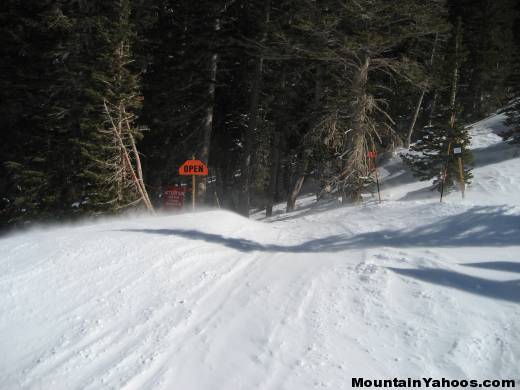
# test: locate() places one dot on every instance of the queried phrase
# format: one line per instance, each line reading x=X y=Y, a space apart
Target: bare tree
x=127 y=168
x=421 y=97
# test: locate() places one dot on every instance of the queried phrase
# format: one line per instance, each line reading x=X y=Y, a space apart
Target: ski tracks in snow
x=133 y=309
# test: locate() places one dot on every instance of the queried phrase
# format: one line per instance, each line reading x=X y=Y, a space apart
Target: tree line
x=102 y=101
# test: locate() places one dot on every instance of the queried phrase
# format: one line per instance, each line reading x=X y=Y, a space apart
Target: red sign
x=193 y=167
x=173 y=197
x=372 y=154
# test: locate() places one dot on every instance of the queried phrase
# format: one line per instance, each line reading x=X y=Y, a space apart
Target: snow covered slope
x=209 y=300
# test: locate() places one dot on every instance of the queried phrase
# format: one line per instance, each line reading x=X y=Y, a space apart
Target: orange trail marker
x=193 y=168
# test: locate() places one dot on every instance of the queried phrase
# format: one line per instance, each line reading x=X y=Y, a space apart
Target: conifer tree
x=121 y=103
x=367 y=42
x=28 y=39
x=269 y=93
x=489 y=41
x=93 y=67
x=432 y=155
x=69 y=53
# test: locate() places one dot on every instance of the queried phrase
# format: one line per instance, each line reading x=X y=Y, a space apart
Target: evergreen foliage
x=432 y=155
x=267 y=93
x=429 y=158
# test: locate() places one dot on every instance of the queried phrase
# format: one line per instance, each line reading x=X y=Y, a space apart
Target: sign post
x=457 y=152
x=193 y=191
x=193 y=168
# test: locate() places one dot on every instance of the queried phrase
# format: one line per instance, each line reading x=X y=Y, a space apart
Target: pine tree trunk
x=421 y=98
x=455 y=80
x=137 y=157
x=139 y=169
x=207 y=128
x=301 y=174
x=355 y=166
x=276 y=144
x=250 y=133
x=283 y=184
x=249 y=139
x=305 y=157
x=446 y=180
x=433 y=108
x=273 y=177
x=414 y=120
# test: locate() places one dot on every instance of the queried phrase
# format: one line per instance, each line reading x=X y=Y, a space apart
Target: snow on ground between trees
x=310 y=299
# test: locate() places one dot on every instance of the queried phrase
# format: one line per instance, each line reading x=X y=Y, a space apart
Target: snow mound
x=487 y=131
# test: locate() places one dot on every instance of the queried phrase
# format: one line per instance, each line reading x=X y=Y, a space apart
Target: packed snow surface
x=409 y=287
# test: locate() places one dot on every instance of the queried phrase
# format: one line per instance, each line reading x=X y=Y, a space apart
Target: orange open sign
x=193 y=167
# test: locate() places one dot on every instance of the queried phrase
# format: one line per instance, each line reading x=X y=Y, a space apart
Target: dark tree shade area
x=102 y=101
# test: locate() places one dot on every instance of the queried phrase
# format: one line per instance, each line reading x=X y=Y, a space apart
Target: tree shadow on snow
x=504 y=290
x=427 y=192
x=479 y=226
x=494 y=154
x=398 y=176
x=507 y=266
x=310 y=209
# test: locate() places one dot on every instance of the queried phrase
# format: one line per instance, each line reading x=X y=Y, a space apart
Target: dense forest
x=102 y=101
